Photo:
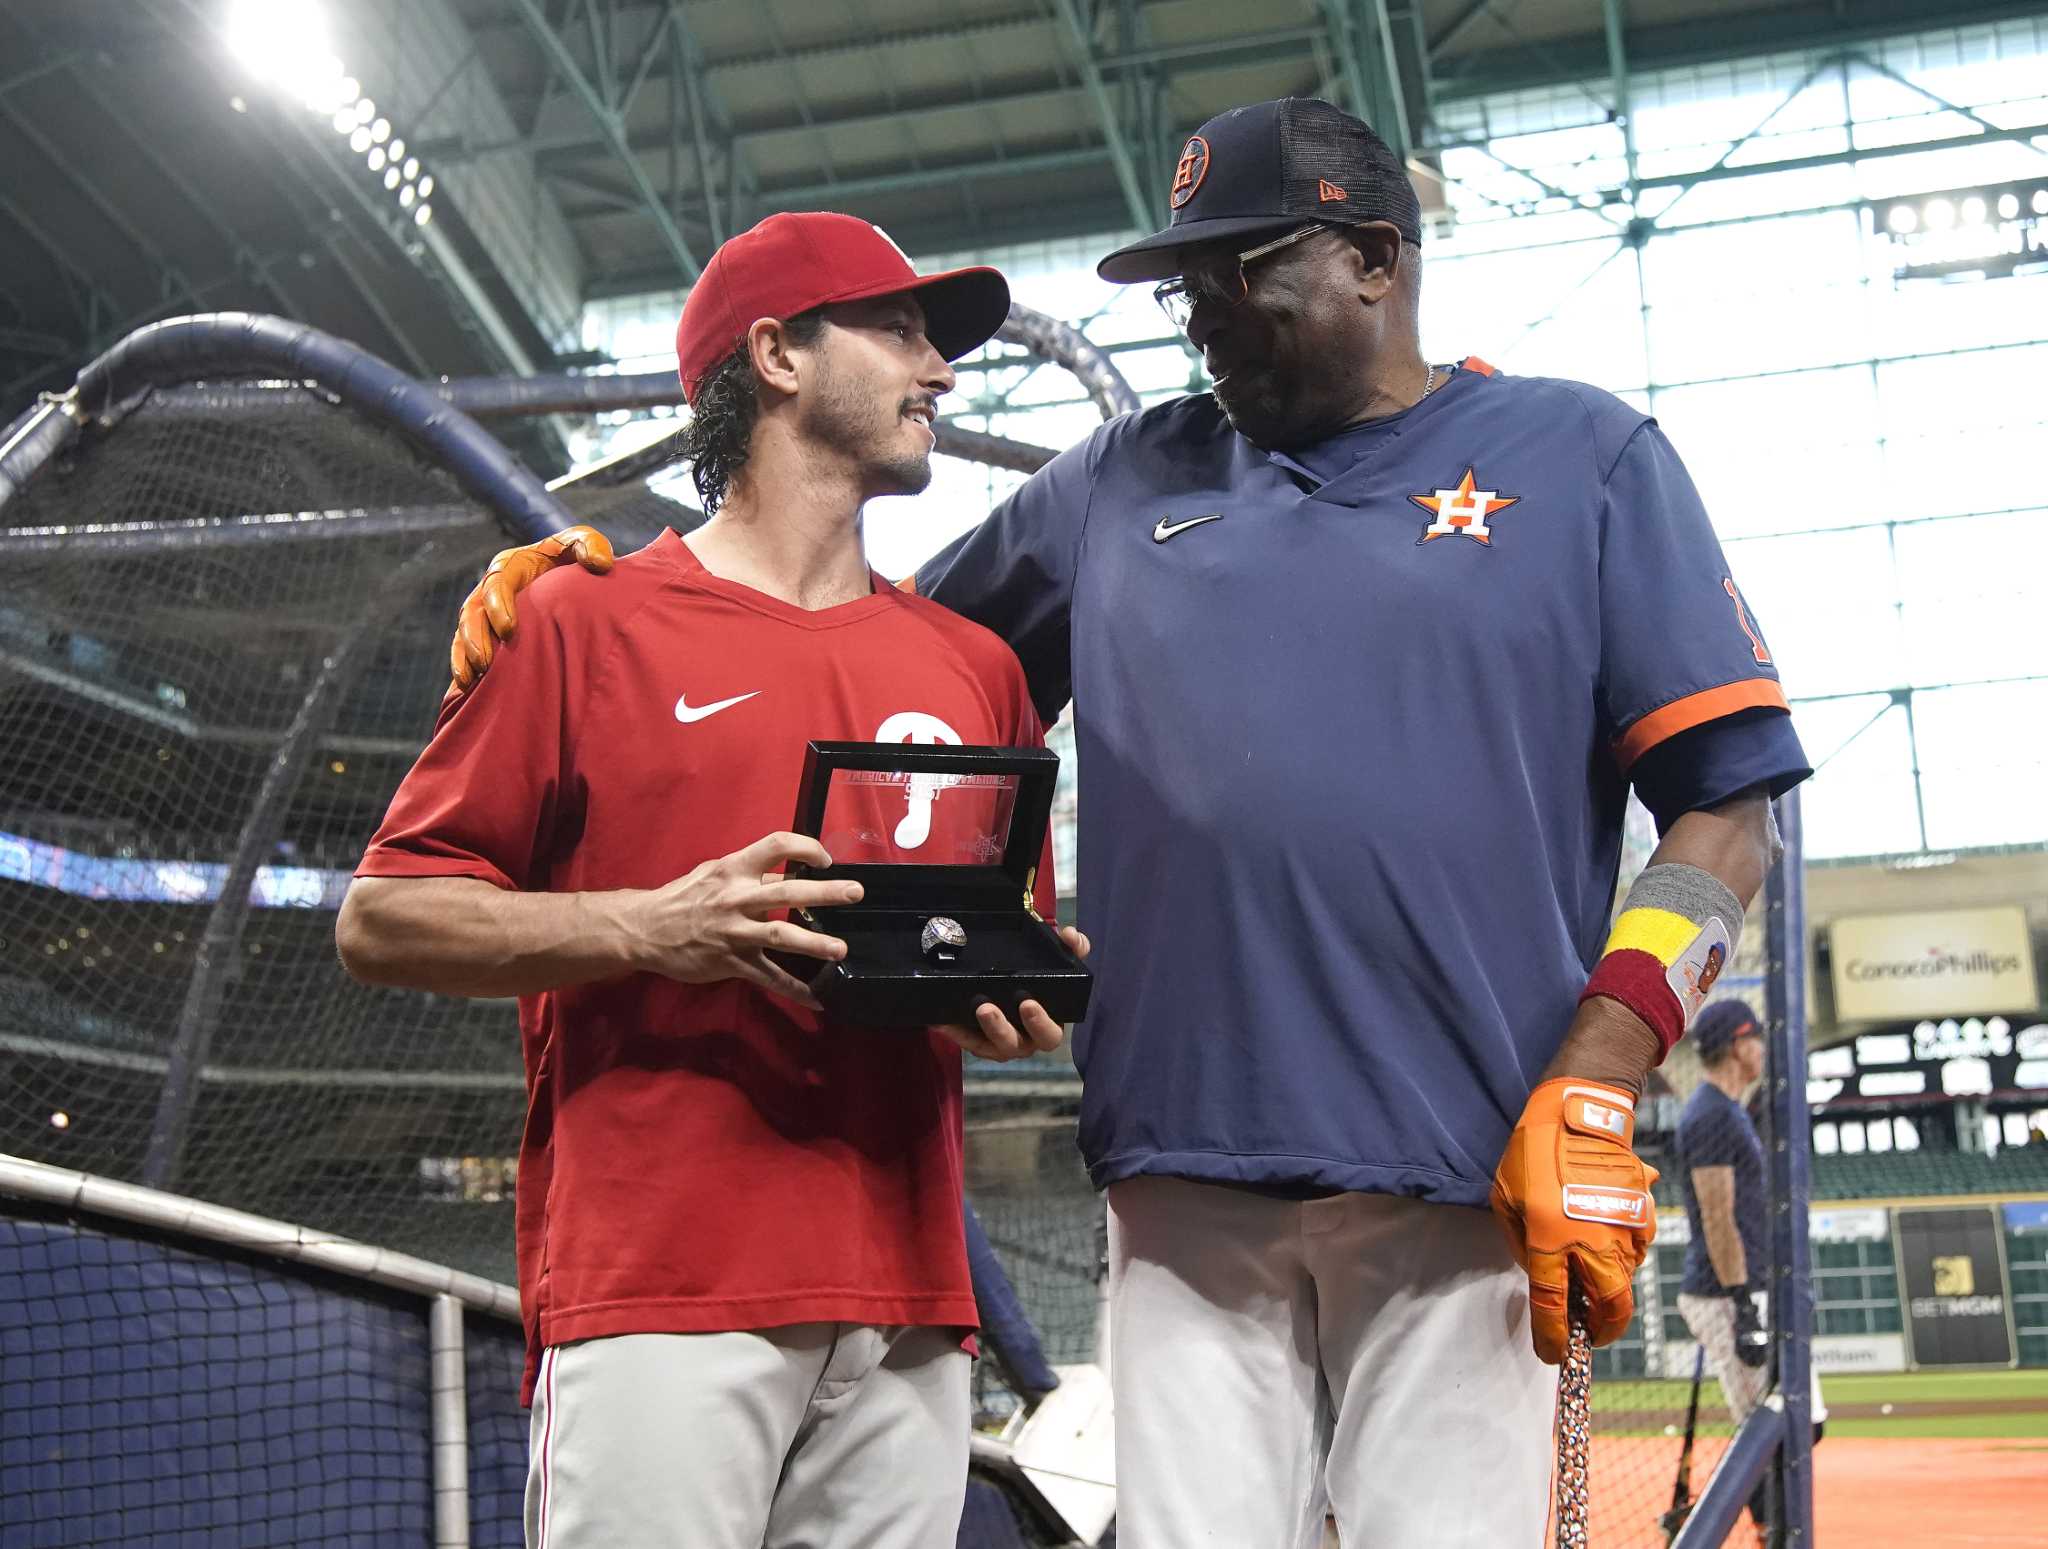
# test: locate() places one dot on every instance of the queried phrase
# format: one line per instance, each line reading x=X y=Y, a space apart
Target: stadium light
x=422 y=215
x=1991 y=231
x=285 y=43
x=376 y=158
x=359 y=141
x=395 y=149
x=391 y=177
x=344 y=121
x=365 y=110
x=381 y=130
x=406 y=195
x=60 y=1120
x=412 y=168
x=427 y=185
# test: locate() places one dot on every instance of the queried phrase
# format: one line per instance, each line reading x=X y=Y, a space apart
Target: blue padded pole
x=1789 y=1168
x=244 y=344
x=1748 y=1458
x=1778 y=1438
x=1004 y=1325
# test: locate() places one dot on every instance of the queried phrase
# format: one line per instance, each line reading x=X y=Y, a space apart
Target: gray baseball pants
x=1266 y=1354
x=817 y=1436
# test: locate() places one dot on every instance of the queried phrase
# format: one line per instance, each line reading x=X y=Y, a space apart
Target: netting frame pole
x=216 y=956
x=449 y=1388
x=1777 y=1440
x=1789 y=1167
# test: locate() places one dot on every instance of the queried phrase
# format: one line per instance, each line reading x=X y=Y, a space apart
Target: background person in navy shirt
x=1722 y=1166
x=1365 y=654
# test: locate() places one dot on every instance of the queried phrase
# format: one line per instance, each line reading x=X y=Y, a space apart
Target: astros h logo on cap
x=1188 y=174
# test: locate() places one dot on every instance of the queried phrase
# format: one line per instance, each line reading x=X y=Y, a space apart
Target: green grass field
x=2010 y=1404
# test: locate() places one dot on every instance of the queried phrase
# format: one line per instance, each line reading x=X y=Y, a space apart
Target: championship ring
x=941 y=939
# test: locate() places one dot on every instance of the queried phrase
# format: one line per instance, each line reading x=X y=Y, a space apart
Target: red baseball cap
x=793 y=262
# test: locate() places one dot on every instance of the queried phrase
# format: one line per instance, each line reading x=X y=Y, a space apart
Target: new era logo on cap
x=1329 y=192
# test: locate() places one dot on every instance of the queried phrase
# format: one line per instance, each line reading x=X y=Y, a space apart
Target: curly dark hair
x=720 y=434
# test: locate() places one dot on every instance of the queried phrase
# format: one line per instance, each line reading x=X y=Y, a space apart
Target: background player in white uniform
x=1365 y=655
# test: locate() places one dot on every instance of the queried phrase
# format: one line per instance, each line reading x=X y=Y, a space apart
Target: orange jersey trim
x=908 y=584
x=1474 y=363
x=1696 y=710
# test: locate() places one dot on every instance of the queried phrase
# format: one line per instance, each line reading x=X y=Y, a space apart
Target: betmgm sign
x=1953 y=1284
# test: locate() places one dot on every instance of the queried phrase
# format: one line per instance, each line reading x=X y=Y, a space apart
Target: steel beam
x=1224 y=53
x=2024 y=134
x=1617 y=73
x=950 y=232
x=1081 y=47
x=97 y=294
x=1459 y=25
x=1877 y=67
x=171 y=279
x=799 y=196
x=166 y=168
x=1709 y=40
x=614 y=132
x=36 y=72
x=704 y=100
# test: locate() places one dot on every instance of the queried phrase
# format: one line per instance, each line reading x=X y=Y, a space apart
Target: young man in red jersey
x=739 y=1226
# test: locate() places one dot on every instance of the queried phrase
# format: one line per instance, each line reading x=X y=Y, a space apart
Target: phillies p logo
x=916 y=726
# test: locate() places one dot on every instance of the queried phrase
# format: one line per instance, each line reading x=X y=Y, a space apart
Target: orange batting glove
x=488 y=614
x=1575 y=1203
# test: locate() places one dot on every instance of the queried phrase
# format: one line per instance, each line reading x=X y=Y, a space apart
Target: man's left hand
x=1575 y=1203
x=994 y=1037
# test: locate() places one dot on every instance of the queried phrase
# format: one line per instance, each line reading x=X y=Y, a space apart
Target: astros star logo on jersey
x=1462 y=512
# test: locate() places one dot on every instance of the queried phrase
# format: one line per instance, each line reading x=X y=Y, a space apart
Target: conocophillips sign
x=1909 y=965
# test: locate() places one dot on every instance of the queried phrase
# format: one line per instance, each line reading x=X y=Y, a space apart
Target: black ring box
x=1011 y=956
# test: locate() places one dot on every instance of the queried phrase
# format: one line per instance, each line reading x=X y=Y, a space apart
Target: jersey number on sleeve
x=1756 y=644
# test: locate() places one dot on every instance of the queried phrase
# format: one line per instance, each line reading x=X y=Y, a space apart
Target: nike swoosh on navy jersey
x=687 y=713
x=1161 y=531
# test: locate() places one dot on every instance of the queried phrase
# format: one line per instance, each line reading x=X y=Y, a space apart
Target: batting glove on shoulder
x=1575 y=1203
x=488 y=612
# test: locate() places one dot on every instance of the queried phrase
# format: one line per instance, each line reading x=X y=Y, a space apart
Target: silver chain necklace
x=1428 y=383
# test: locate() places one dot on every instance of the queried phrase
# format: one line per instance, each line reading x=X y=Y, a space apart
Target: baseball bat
x=1681 y=1487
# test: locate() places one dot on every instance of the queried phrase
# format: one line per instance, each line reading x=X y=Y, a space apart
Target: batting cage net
x=223 y=640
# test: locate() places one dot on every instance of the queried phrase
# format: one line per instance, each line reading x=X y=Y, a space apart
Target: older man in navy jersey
x=1366 y=653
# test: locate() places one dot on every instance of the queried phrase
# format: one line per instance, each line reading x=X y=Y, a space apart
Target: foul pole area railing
x=1777 y=1440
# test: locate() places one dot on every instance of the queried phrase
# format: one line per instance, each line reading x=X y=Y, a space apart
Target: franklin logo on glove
x=1575 y=1203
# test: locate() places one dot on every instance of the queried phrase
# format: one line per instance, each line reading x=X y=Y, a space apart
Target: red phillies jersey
x=708 y=1157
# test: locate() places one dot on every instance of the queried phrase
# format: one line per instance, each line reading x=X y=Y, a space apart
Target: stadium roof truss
x=586 y=148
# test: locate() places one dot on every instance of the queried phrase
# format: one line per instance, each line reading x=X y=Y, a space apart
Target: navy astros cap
x=1269 y=168
x=1721 y=1024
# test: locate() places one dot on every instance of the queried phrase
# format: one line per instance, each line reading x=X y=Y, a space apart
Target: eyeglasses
x=1221 y=280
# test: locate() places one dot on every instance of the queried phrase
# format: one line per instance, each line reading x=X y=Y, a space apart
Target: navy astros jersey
x=1714 y=1131
x=1355 y=726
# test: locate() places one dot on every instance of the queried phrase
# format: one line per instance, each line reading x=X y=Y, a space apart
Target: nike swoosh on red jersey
x=686 y=712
